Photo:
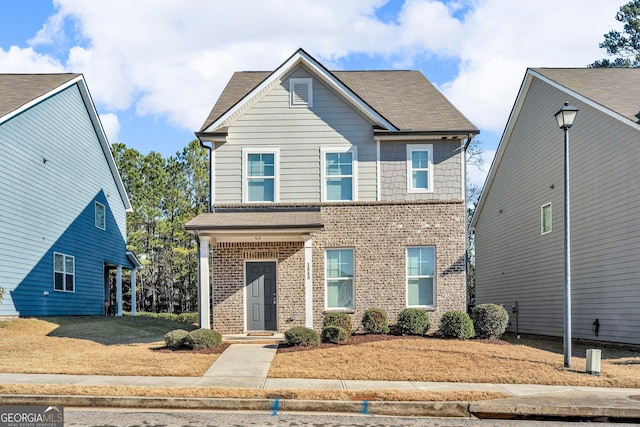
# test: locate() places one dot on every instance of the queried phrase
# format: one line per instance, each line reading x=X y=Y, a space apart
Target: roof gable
x=394 y=100
x=20 y=92
x=612 y=91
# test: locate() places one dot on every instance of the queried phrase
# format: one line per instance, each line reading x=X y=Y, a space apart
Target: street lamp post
x=565 y=117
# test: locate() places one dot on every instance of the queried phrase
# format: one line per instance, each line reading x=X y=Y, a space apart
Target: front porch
x=255 y=268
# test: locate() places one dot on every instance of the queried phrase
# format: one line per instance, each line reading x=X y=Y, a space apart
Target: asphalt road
x=174 y=418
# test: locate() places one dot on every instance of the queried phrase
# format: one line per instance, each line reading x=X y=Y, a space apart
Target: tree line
x=165 y=193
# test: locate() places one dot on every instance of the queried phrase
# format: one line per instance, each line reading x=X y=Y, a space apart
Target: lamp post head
x=565 y=116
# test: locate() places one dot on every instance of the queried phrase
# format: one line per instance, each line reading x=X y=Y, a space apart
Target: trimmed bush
x=334 y=334
x=175 y=339
x=200 y=339
x=301 y=336
x=188 y=318
x=375 y=321
x=413 y=321
x=490 y=320
x=456 y=324
x=342 y=320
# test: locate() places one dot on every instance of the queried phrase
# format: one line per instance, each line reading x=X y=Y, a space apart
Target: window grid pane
x=100 y=215
x=339 y=164
x=420 y=276
x=339 y=274
x=260 y=190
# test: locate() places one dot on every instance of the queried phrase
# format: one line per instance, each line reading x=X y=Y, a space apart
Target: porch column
x=204 y=298
x=308 y=281
x=133 y=292
x=119 y=291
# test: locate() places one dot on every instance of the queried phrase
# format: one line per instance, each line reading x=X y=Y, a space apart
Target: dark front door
x=261 y=296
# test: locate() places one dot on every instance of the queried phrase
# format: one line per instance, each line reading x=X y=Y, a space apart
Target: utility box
x=593 y=362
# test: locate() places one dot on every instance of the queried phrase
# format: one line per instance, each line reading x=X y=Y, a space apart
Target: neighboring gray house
x=331 y=191
x=62 y=202
x=519 y=219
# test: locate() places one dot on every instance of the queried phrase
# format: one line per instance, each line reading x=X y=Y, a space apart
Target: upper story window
x=301 y=92
x=339 y=279
x=100 y=219
x=338 y=173
x=545 y=218
x=421 y=263
x=260 y=175
x=63 y=272
x=419 y=168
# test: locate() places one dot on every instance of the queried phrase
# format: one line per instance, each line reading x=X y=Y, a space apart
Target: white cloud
x=18 y=60
x=171 y=59
x=111 y=126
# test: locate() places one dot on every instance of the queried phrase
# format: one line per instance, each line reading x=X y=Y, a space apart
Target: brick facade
x=379 y=233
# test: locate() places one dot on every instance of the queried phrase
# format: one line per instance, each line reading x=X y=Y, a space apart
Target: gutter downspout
x=210 y=149
x=464 y=146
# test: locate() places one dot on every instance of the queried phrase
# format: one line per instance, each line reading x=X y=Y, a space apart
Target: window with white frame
x=301 y=92
x=63 y=272
x=421 y=276
x=260 y=175
x=100 y=219
x=339 y=279
x=338 y=174
x=419 y=168
x=545 y=218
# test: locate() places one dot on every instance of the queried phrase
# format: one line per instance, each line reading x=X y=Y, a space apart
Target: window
x=338 y=170
x=545 y=218
x=261 y=168
x=300 y=92
x=420 y=276
x=63 y=272
x=419 y=168
x=339 y=279
x=100 y=217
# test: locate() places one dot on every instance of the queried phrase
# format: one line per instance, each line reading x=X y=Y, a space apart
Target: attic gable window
x=300 y=92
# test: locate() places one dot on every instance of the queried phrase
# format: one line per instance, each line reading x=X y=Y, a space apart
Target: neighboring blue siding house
x=62 y=203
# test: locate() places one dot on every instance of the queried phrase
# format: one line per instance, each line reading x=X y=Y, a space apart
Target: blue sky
x=155 y=69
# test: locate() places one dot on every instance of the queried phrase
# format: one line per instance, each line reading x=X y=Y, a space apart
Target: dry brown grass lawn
x=39 y=346
x=230 y=393
x=433 y=359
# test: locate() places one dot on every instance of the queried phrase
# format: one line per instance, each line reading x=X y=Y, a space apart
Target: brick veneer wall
x=379 y=233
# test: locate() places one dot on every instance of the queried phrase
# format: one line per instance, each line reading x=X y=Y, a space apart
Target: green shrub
x=175 y=339
x=1 y=293
x=375 y=321
x=301 y=336
x=334 y=334
x=200 y=339
x=342 y=320
x=456 y=324
x=188 y=318
x=490 y=320
x=413 y=321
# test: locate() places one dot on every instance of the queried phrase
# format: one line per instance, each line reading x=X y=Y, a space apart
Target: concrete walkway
x=241 y=366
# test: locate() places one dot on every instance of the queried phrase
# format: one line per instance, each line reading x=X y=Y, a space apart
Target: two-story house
x=62 y=203
x=331 y=191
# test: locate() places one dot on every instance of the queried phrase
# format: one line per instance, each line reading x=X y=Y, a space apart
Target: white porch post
x=204 y=299
x=119 y=291
x=134 y=301
x=308 y=281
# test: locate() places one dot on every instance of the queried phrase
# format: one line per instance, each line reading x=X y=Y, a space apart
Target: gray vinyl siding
x=447 y=172
x=52 y=170
x=514 y=261
x=299 y=133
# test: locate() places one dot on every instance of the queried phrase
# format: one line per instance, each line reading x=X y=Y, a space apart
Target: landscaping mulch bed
x=353 y=340
x=214 y=350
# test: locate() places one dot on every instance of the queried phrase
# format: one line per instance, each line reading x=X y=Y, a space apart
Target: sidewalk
x=247 y=366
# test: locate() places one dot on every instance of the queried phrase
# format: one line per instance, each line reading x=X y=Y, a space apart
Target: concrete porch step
x=254 y=338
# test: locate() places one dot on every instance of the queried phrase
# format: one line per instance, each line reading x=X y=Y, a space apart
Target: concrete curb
x=424 y=409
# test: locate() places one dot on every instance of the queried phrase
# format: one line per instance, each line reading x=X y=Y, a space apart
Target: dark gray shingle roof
x=405 y=98
x=617 y=89
x=17 y=90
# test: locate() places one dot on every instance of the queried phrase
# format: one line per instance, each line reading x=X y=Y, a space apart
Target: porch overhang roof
x=244 y=225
